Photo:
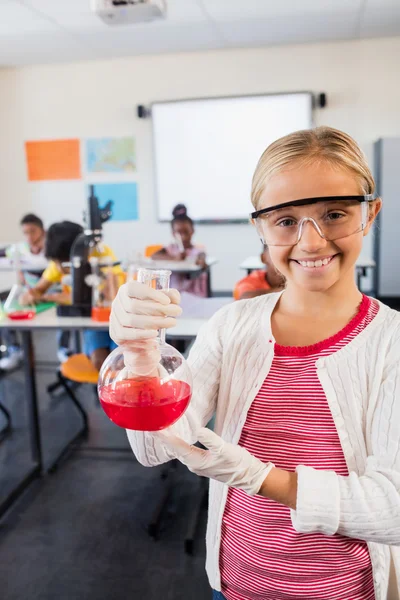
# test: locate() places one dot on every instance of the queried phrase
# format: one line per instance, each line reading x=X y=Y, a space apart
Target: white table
x=7 y=277
x=7 y=271
x=177 y=266
x=251 y=263
x=187 y=266
x=38 y=263
x=188 y=325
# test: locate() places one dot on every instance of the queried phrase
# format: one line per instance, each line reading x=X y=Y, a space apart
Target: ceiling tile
x=180 y=11
x=232 y=10
x=156 y=39
x=61 y=7
x=44 y=48
x=17 y=19
x=380 y=18
x=281 y=31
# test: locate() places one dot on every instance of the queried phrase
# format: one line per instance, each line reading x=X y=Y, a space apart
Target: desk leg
x=34 y=430
x=209 y=288
x=7 y=417
x=30 y=384
x=29 y=365
x=82 y=433
x=77 y=342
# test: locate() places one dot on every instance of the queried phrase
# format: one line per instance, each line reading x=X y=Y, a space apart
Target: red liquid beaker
x=145 y=404
x=21 y=315
x=145 y=385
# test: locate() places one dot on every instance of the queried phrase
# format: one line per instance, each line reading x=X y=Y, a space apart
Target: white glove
x=138 y=311
x=225 y=462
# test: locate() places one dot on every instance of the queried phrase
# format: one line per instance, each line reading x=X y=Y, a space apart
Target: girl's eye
x=288 y=222
x=334 y=216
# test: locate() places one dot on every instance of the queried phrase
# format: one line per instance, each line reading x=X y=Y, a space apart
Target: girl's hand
x=27 y=298
x=138 y=311
x=224 y=462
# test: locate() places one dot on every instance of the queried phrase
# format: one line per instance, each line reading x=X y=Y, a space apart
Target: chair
x=196 y=504
x=79 y=369
x=150 y=250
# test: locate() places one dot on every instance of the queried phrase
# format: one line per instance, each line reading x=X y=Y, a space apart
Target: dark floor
x=80 y=533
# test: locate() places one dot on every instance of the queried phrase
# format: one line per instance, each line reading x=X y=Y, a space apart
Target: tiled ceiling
x=51 y=31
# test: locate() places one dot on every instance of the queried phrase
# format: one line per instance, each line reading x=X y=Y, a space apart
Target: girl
x=183 y=230
x=305 y=384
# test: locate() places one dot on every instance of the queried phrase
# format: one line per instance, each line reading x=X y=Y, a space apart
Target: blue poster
x=123 y=197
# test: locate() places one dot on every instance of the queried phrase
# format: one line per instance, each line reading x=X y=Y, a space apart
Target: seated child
x=183 y=230
x=260 y=282
x=30 y=251
x=59 y=241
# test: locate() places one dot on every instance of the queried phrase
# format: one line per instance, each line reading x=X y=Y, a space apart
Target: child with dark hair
x=183 y=249
x=31 y=251
x=31 y=254
x=34 y=233
x=60 y=238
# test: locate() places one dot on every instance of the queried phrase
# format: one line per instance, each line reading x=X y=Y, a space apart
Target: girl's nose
x=310 y=237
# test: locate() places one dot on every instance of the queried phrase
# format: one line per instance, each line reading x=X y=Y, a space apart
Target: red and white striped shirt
x=262 y=557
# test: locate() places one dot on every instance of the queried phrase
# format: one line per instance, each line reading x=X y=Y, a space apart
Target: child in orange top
x=260 y=282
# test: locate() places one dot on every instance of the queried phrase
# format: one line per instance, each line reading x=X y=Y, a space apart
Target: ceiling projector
x=125 y=12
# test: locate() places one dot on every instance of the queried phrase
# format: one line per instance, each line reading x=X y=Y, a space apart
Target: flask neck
x=158 y=279
x=161 y=334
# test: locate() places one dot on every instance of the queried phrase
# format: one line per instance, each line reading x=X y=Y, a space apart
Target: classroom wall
x=99 y=99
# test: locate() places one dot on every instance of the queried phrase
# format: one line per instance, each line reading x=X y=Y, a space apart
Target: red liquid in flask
x=21 y=315
x=145 y=404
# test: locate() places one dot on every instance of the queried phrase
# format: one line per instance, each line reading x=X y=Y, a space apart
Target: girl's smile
x=316 y=264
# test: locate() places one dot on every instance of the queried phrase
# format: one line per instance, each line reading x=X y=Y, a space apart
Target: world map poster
x=110 y=155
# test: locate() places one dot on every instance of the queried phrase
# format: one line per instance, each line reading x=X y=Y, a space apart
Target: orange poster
x=50 y=160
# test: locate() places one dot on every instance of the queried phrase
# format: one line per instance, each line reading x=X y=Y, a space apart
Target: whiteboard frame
x=178 y=100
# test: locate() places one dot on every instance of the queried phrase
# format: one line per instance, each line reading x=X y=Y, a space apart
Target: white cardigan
x=230 y=360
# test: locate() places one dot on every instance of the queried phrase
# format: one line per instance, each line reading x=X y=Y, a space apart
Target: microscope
x=79 y=258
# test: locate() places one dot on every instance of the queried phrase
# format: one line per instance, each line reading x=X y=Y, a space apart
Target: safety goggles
x=334 y=218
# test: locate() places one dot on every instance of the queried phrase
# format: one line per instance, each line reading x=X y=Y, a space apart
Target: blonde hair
x=323 y=144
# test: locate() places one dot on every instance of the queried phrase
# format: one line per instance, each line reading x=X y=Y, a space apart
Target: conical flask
x=18 y=306
x=15 y=307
